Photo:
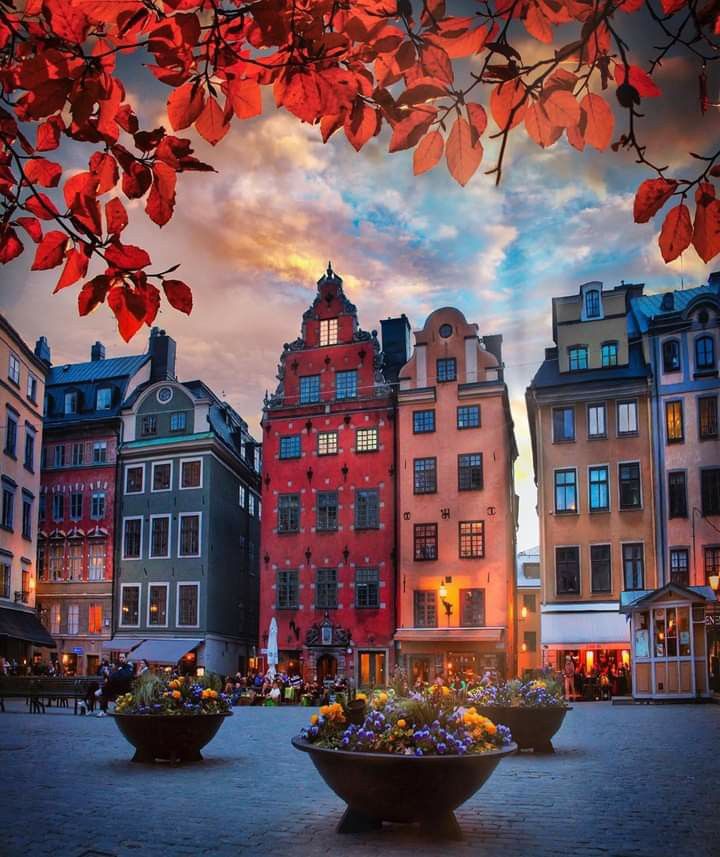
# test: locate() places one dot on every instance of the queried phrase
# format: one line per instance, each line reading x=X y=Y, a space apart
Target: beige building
x=528 y=611
x=22 y=386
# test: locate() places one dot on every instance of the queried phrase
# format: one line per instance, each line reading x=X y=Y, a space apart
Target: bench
x=35 y=689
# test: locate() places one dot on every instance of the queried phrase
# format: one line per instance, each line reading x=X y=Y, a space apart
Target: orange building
x=457 y=505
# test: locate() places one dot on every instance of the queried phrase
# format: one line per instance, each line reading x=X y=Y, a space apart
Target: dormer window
x=71 y=403
x=592 y=304
x=671 y=355
x=704 y=353
x=328 y=331
x=578 y=357
x=104 y=399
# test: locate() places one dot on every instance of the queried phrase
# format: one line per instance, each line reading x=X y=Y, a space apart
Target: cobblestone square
x=625 y=780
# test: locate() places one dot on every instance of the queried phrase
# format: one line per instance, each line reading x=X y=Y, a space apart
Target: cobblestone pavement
x=630 y=780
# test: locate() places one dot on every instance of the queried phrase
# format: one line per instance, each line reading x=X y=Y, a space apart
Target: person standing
x=569 y=677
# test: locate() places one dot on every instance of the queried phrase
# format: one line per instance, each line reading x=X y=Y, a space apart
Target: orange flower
x=176 y=694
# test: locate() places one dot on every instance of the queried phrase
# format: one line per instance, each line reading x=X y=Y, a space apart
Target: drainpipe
x=396 y=493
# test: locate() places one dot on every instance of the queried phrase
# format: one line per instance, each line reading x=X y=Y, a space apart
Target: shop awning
x=168 y=651
x=583 y=625
x=23 y=625
x=121 y=644
x=450 y=635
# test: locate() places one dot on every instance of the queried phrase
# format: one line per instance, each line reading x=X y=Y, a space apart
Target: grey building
x=186 y=586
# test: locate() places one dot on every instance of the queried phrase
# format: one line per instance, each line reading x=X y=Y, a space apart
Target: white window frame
x=128 y=467
x=252 y=504
x=337 y=442
x=14 y=368
x=242 y=496
x=123 y=587
x=602 y=405
x=200 y=534
x=74 y=397
x=370 y=430
x=150 y=537
x=331 y=331
x=182 y=487
x=102 y=444
x=639 y=508
x=634 y=431
x=31 y=388
x=91 y=544
x=75 y=607
x=166 y=587
x=180 y=583
x=95 y=494
x=122 y=536
x=155 y=464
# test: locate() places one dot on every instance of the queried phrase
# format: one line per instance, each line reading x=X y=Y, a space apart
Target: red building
x=328 y=528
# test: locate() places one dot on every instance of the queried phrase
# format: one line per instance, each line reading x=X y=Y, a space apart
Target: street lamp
x=714 y=581
x=442 y=592
x=523 y=612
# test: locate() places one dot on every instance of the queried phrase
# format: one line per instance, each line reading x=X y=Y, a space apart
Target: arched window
x=671 y=355
x=592 y=303
x=704 y=353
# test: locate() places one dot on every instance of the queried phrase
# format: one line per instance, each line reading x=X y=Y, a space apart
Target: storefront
x=425 y=653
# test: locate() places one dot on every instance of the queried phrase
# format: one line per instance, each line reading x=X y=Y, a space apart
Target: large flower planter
x=174 y=738
x=381 y=787
x=530 y=727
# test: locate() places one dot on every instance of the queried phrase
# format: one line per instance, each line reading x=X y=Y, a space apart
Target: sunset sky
x=254 y=238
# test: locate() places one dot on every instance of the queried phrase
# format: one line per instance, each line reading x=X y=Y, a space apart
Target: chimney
x=493 y=344
x=162 y=355
x=714 y=278
x=97 y=352
x=42 y=350
x=396 y=345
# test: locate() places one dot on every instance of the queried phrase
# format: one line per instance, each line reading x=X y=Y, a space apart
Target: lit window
x=596 y=420
x=674 y=421
x=366 y=440
x=130 y=605
x=327 y=443
x=426 y=542
x=157 y=605
x=472 y=539
x=328 y=331
x=565 y=491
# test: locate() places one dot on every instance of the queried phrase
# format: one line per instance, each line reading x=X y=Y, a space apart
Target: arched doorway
x=326 y=667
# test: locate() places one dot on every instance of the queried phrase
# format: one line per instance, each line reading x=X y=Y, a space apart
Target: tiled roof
x=96 y=370
x=549 y=375
x=647 y=307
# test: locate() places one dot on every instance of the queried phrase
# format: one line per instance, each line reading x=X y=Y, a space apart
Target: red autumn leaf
x=48 y=134
x=599 y=121
x=562 y=108
x=129 y=309
x=362 y=124
x=161 y=199
x=477 y=118
x=706 y=229
x=676 y=233
x=408 y=131
x=116 y=218
x=298 y=90
x=136 y=180
x=31 y=226
x=10 y=246
x=506 y=104
x=245 y=98
x=650 y=198
x=41 y=206
x=212 y=123
x=126 y=257
x=463 y=158
x=539 y=127
x=105 y=169
x=638 y=79
x=576 y=136
x=179 y=295
x=50 y=251
x=184 y=105
x=93 y=293
x=423 y=89
x=80 y=195
x=329 y=125
x=436 y=63
x=43 y=172
x=537 y=24
x=669 y=7
x=67 y=21
x=428 y=152
x=76 y=265
x=463 y=44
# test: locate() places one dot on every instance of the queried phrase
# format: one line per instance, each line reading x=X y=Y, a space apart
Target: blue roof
x=549 y=374
x=648 y=307
x=95 y=370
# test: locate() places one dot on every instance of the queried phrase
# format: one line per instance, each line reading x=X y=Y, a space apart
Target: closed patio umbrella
x=272 y=647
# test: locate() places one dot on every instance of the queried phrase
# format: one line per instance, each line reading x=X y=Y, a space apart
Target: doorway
x=326 y=667
x=372 y=669
x=420 y=669
x=93 y=662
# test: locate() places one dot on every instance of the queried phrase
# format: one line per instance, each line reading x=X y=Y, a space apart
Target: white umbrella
x=272 y=647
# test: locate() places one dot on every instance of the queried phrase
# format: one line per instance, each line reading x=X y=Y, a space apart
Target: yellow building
x=22 y=386
x=528 y=611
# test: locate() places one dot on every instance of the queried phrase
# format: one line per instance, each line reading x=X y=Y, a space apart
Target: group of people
x=279 y=688
x=603 y=681
x=114 y=679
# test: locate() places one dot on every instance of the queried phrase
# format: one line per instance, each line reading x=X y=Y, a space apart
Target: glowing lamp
x=442 y=592
x=524 y=646
x=714 y=581
x=523 y=612
x=589 y=661
x=625 y=657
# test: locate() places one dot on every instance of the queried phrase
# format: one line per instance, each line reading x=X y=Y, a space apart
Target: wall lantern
x=346 y=554
x=267 y=479
x=714 y=581
x=344 y=470
x=308 y=554
x=266 y=558
x=308 y=426
x=523 y=612
x=309 y=474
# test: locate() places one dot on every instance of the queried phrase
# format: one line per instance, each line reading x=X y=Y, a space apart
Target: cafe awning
x=23 y=625
x=571 y=626
x=168 y=651
x=121 y=644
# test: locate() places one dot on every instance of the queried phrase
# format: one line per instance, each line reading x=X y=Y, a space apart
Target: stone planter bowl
x=169 y=737
x=531 y=728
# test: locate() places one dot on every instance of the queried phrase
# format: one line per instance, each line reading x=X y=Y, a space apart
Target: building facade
x=328 y=528
x=457 y=505
x=77 y=511
x=528 y=611
x=589 y=408
x=22 y=389
x=186 y=587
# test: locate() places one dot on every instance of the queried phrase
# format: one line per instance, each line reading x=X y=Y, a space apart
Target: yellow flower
x=382 y=697
x=401 y=723
x=313 y=719
x=445 y=691
x=490 y=728
x=324 y=710
x=174 y=684
x=361 y=696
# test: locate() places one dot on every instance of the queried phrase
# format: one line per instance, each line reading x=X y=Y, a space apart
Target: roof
x=95 y=370
x=631 y=600
x=529 y=556
x=648 y=307
x=549 y=375
x=20 y=343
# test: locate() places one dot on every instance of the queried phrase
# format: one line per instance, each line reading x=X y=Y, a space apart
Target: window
x=367 y=588
x=598 y=483
x=27 y=518
x=290 y=446
x=59 y=456
x=563 y=425
x=130 y=604
x=679 y=566
x=55 y=619
x=29 y=450
x=425 y=608
x=600 y=570
x=633 y=566
x=58 y=507
x=470 y=471
x=309 y=389
x=100 y=452
x=96 y=560
x=157 y=604
x=132 y=538
x=75 y=560
x=596 y=421
x=11 y=432
x=567 y=570
x=78 y=454
x=609 y=353
x=8 y=507
x=327 y=511
x=104 y=399
x=710 y=491
x=76 y=504
x=708 y=417
x=592 y=304
x=287 y=590
x=472 y=608
x=565 y=491
x=189 y=534
x=57 y=560
x=160 y=536
x=242 y=496
x=630 y=493
x=367 y=509
x=135 y=479
x=468 y=416
x=472 y=539
x=530 y=641
x=327 y=443
x=328 y=331
x=32 y=388
x=671 y=355
x=148 y=425
x=704 y=353
x=253 y=503
x=4 y=579
x=188 y=604
x=529 y=598
x=161 y=475
x=71 y=403
x=42 y=507
x=426 y=542
x=288 y=513
x=446 y=368
x=423 y=422
x=95 y=618
x=425 y=475
x=178 y=421
x=712 y=562
x=14 y=369
x=578 y=357
x=73 y=618
x=326 y=589
x=191 y=474
x=674 y=421
x=366 y=440
x=677 y=494
x=627 y=417
x=346 y=384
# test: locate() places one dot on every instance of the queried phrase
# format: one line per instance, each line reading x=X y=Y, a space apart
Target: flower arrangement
x=183 y=695
x=538 y=693
x=427 y=724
